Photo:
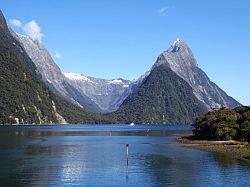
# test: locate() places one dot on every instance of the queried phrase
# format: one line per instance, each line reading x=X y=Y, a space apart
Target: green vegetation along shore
x=225 y=131
x=224 y=124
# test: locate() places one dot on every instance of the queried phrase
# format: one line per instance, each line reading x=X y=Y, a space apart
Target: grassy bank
x=235 y=149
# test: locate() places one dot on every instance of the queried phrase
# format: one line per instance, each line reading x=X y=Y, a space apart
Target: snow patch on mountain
x=175 y=46
x=121 y=82
x=76 y=76
x=115 y=81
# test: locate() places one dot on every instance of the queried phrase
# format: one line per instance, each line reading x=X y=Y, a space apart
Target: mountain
x=35 y=90
x=180 y=59
x=99 y=95
x=107 y=94
x=24 y=98
x=175 y=91
x=163 y=98
x=51 y=73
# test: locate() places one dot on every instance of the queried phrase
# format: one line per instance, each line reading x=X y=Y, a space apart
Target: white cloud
x=57 y=55
x=16 y=23
x=33 y=30
x=163 y=11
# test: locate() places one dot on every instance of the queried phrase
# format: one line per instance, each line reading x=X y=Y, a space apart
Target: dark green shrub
x=245 y=131
x=224 y=124
x=225 y=133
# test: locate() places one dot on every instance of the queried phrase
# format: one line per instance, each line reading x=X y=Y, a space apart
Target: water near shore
x=96 y=155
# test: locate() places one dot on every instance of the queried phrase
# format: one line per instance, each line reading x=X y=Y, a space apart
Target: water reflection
x=45 y=156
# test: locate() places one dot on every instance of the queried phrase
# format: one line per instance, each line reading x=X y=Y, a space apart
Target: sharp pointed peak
x=177 y=41
x=177 y=45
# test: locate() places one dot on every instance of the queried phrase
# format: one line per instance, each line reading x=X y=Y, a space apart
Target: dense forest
x=224 y=124
x=164 y=98
x=75 y=115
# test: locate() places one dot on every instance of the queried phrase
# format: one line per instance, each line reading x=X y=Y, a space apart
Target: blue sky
x=122 y=38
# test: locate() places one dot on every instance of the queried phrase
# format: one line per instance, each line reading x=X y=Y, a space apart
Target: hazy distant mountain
x=51 y=73
x=176 y=91
x=107 y=94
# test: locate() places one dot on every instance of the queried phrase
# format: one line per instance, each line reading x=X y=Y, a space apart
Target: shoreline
x=231 y=148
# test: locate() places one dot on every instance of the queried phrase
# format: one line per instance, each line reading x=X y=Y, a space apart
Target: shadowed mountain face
x=180 y=59
x=3 y=24
x=163 y=98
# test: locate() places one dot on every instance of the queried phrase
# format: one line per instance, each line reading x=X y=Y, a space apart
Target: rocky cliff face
x=51 y=73
x=181 y=60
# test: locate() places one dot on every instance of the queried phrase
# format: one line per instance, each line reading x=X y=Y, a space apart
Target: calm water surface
x=96 y=155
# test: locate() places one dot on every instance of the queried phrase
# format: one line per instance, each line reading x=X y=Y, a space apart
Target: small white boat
x=132 y=124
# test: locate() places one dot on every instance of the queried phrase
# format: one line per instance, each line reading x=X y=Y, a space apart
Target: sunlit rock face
x=180 y=59
x=51 y=73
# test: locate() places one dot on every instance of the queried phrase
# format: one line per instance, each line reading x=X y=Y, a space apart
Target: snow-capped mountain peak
x=177 y=41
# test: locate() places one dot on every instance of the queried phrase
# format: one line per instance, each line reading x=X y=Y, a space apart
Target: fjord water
x=96 y=155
